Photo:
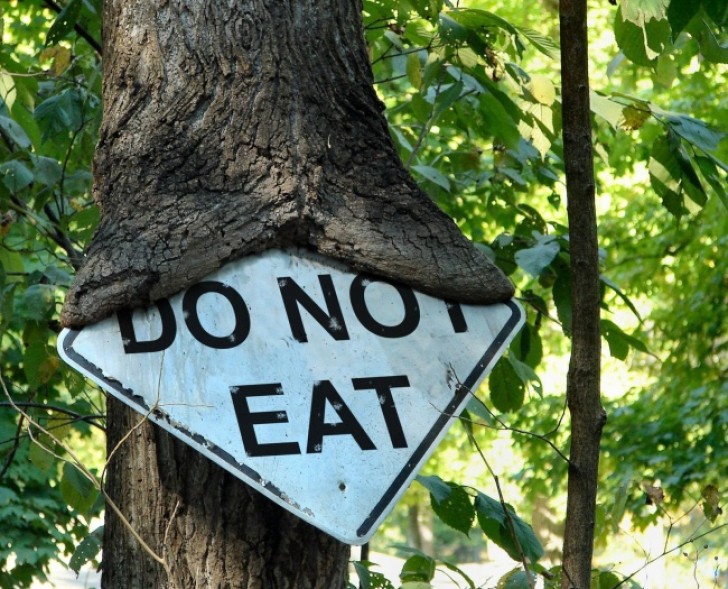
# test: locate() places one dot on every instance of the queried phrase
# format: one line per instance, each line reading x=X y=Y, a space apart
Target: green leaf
x=710 y=172
x=544 y=44
x=680 y=13
x=87 y=550
x=37 y=303
x=64 y=23
x=620 y=342
x=15 y=175
x=507 y=390
x=499 y=120
x=369 y=579
x=717 y=10
x=77 y=490
x=60 y=113
x=615 y=287
x=41 y=458
x=34 y=358
x=46 y=170
x=535 y=260
x=414 y=70
x=480 y=410
x=447 y=98
x=456 y=510
x=474 y=18
x=607 y=579
x=561 y=293
x=692 y=130
x=495 y=524
x=642 y=11
x=642 y=42
x=607 y=109
x=526 y=374
x=710 y=48
x=418 y=567
x=516 y=579
x=433 y=175
x=451 y=31
x=438 y=488
x=15 y=132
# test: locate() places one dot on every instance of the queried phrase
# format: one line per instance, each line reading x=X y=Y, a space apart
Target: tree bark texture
x=583 y=380
x=233 y=127
x=212 y=530
x=230 y=127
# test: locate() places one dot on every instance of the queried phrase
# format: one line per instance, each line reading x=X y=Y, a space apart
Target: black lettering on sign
x=383 y=385
x=324 y=391
x=128 y=336
x=192 y=318
x=247 y=420
x=409 y=322
x=455 y=311
x=332 y=320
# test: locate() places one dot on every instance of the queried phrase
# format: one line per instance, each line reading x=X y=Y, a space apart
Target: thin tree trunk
x=583 y=381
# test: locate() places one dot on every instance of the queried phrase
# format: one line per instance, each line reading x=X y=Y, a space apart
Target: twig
x=90 y=419
x=509 y=520
x=666 y=552
x=76 y=462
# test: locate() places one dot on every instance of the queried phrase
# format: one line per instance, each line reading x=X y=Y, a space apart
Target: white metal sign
x=324 y=389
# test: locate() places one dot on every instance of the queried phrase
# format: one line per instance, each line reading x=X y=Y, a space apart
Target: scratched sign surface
x=324 y=389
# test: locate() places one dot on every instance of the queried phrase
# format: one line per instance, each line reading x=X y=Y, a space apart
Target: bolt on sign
x=324 y=389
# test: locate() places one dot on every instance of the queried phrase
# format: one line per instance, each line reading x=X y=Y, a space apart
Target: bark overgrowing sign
x=324 y=389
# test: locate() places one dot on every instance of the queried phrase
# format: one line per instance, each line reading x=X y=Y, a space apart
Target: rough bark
x=232 y=127
x=583 y=380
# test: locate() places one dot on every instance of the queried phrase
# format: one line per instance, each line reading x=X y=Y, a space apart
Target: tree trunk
x=229 y=128
x=583 y=380
x=232 y=127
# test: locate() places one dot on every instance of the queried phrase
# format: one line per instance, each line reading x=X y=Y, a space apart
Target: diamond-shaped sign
x=324 y=389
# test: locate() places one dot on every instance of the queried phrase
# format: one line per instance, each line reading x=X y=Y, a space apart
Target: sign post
x=324 y=389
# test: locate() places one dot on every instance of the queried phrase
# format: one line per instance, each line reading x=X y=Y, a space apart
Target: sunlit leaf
x=87 y=550
x=641 y=40
x=711 y=502
x=65 y=21
x=414 y=70
x=542 y=89
x=418 y=567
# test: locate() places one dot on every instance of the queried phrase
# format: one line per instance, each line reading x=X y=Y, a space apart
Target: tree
x=253 y=127
x=475 y=116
